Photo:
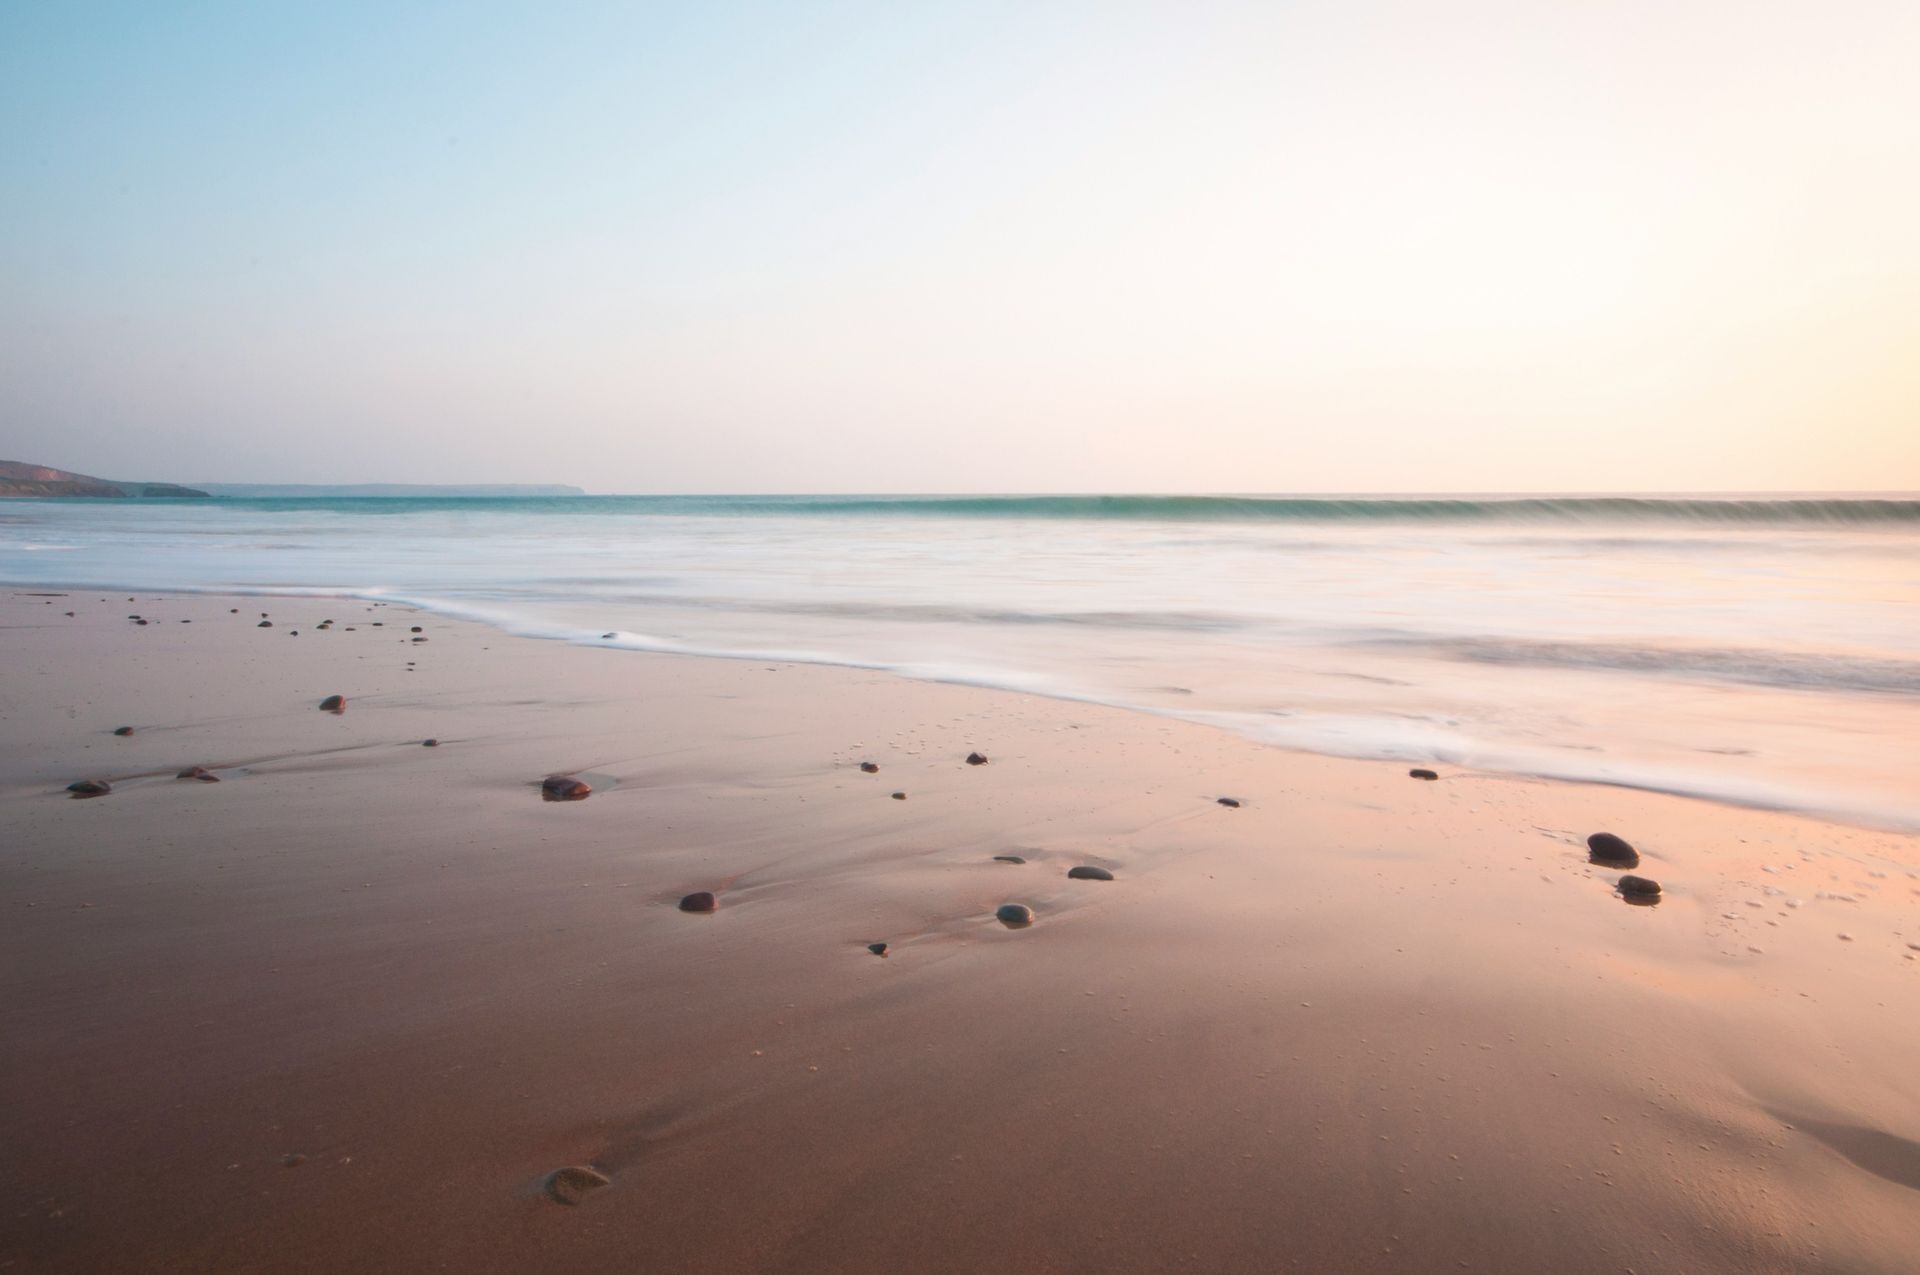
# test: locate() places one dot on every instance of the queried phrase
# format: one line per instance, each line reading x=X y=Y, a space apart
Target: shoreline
x=1734 y=795
x=349 y=1006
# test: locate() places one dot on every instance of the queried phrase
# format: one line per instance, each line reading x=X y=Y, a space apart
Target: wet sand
x=349 y=1007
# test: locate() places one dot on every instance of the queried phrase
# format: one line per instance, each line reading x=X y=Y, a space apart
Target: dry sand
x=345 y=1009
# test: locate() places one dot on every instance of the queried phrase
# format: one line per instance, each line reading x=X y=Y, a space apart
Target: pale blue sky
x=1359 y=246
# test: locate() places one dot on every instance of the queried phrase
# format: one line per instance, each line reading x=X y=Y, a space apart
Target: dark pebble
x=1233 y=802
x=201 y=773
x=1639 y=888
x=429 y=743
x=416 y=629
x=1014 y=915
x=574 y=1183
x=878 y=949
x=123 y=730
x=334 y=704
x=607 y=636
x=1421 y=772
x=1614 y=852
x=90 y=788
x=1087 y=872
x=419 y=639
x=564 y=788
x=899 y=796
x=264 y=624
x=869 y=768
x=976 y=759
x=1008 y=858
x=699 y=901
x=140 y=623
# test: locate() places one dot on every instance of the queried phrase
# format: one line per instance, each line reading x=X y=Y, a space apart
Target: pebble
x=1639 y=887
x=899 y=796
x=608 y=637
x=1421 y=772
x=976 y=759
x=90 y=788
x=416 y=629
x=334 y=704
x=1008 y=858
x=1014 y=915
x=574 y=1183
x=869 y=768
x=264 y=624
x=699 y=901
x=878 y=949
x=564 y=788
x=429 y=743
x=1233 y=802
x=1087 y=872
x=1604 y=847
x=201 y=773
x=123 y=730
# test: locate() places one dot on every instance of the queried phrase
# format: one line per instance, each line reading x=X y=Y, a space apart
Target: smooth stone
x=878 y=949
x=419 y=639
x=1421 y=772
x=1008 y=858
x=123 y=730
x=869 y=768
x=564 y=788
x=429 y=743
x=416 y=629
x=1232 y=802
x=699 y=901
x=1639 y=887
x=90 y=788
x=1604 y=847
x=976 y=759
x=1087 y=872
x=201 y=773
x=141 y=623
x=574 y=1183
x=264 y=624
x=1014 y=915
x=899 y=796
x=334 y=704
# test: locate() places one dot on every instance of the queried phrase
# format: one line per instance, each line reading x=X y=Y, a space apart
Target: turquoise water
x=1759 y=649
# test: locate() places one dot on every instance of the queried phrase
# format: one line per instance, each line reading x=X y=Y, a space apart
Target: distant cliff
x=19 y=480
x=341 y=491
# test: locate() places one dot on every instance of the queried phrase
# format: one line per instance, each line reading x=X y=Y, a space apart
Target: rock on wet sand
x=1639 y=887
x=1014 y=915
x=90 y=788
x=334 y=704
x=869 y=768
x=976 y=759
x=1421 y=772
x=1008 y=858
x=564 y=788
x=878 y=949
x=575 y=1183
x=1087 y=872
x=899 y=796
x=699 y=901
x=1231 y=802
x=1614 y=852
x=123 y=730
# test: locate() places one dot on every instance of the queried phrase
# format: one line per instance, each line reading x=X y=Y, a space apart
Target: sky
x=1040 y=246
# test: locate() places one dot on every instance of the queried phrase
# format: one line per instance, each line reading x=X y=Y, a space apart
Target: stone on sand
x=1087 y=872
x=1639 y=887
x=699 y=901
x=878 y=949
x=899 y=796
x=90 y=788
x=1614 y=852
x=1233 y=802
x=564 y=788
x=869 y=768
x=1421 y=772
x=575 y=1183
x=429 y=743
x=334 y=704
x=1008 y=858
x=264 y=624
x=123 y=730
x=1014 y=915
x=976 y=759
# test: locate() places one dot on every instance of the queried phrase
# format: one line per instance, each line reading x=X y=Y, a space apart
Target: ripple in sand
x=1014 y=915
x=574 y=1183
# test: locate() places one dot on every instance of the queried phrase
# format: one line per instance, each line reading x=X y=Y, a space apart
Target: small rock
x=123 y=730
x=429 y=743
x=564 y=788
x=976 y=759
x=605 y=637
x=899 y=796
x=416 y=629
x=264 y=624
x=90 y=788
x=1639 y=888
x=141 y=623
x=574 y=1183
x=869 y=768
x=334 y=704
x=699 y=901
x=201 y=773
x=1014 y=915
x=878 y=949
x=1087 y=872
x=1233 y=802
x=1614 y=852
x=1421 y=772
x=1008 y=858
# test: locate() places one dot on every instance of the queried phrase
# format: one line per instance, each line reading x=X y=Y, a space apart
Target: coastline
x=1361 y=1022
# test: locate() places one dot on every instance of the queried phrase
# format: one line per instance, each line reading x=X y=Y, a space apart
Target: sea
x=1761 y=650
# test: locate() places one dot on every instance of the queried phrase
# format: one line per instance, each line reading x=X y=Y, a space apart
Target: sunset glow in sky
x=981 y=247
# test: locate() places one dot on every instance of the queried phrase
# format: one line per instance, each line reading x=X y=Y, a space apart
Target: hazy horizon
x=1491 y=248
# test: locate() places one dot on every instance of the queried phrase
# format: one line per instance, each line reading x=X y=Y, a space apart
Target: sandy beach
x=347 y=1008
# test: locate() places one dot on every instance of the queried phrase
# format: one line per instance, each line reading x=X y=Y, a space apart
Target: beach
x=349 y=1007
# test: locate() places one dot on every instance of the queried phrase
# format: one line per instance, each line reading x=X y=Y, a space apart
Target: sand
x=350 y=1007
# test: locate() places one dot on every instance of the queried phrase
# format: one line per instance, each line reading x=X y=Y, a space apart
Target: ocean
x=1762 y=650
